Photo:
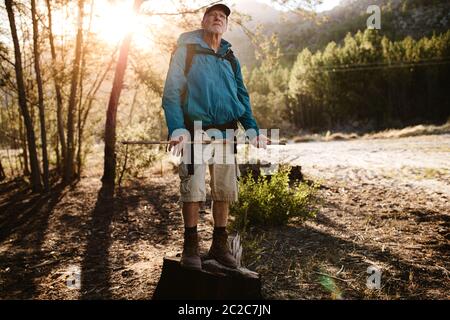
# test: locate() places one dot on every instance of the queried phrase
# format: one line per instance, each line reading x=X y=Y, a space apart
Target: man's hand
x=260 y=141
x=177 y=143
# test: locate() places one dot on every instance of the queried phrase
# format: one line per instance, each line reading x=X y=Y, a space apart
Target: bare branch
x=5 y=58
x=180 y=13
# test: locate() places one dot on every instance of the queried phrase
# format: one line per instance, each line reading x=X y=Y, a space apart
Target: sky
x=326 y=5
x=106 y=24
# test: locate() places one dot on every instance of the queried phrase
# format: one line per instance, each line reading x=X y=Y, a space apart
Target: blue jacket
x=214 y=95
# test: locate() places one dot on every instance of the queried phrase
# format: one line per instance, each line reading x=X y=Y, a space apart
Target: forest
x=364 y=120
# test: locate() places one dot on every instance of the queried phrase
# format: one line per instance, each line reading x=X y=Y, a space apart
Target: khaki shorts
x=224 y=184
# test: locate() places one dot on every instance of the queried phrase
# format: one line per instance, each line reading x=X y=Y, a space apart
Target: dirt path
x=376 y=211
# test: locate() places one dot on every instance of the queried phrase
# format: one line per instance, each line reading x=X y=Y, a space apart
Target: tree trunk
x=11 y=167
x=79 y=131
x=57 y=155
x=37 y=69
x=109 y=170
x=23 y=140
x=34 y=163
x=56 y=80
x=213 y=282
x=69 y=169
x=11 y=120
x=2 y=172
x=80 y=100
x=87 y=106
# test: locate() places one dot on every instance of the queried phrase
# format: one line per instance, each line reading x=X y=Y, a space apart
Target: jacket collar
x=196 y=36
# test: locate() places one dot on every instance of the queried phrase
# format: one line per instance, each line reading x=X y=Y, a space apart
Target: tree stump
x=214 y=282
x=255 y=171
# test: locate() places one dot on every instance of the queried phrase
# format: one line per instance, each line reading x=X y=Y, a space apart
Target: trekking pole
x=156 y=142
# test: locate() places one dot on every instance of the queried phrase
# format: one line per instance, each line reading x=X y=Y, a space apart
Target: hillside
x=399 y=18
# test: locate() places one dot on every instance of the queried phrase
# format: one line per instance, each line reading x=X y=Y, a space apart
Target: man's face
x=215 y=22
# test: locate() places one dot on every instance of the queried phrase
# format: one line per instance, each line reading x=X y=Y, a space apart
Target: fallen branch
x=330 y=276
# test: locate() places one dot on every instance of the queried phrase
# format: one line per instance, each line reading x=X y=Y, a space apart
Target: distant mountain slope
x=399 y=18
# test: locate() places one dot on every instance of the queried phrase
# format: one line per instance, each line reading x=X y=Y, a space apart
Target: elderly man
x=204 y=83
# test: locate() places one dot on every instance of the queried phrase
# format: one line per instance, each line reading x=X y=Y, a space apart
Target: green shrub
x=272 y=202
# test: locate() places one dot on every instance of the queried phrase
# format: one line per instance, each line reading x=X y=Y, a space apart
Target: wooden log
x=214 y=282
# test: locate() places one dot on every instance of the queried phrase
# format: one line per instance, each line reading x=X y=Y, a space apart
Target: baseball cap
x=219 y=6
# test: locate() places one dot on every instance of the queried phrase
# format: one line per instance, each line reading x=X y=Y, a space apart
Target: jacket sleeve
x=174 y=85
x=247 y=119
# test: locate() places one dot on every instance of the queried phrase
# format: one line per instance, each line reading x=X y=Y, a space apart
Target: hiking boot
x=190 y=257
x=220 y=250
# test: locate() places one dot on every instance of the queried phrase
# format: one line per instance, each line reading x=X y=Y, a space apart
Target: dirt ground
x=394 y=217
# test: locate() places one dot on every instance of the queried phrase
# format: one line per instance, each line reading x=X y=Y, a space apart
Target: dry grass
x=418 y=130
x=340 y=136
x=306 y=138
x=327 y=258
x=386 y=134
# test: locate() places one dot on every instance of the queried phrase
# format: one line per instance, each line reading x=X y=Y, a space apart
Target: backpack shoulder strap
x=229 y=55
x=190 y=51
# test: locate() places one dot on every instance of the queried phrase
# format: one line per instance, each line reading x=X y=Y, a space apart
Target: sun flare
x=114 y=19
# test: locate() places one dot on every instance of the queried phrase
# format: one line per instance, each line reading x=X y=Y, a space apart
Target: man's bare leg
x=220 y=213
x=190 y=213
